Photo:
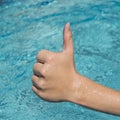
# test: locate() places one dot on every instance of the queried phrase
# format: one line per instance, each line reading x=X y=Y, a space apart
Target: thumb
x=67 y=38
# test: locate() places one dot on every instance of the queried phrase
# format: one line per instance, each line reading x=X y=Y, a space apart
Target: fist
x=54 y=73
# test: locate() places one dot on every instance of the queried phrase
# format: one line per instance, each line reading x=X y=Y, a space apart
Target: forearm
x=96 y=96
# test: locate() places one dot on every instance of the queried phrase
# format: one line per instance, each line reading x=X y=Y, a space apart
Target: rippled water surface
x=27 y=26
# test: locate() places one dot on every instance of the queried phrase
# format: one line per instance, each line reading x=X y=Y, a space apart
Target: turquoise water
x=29 y=26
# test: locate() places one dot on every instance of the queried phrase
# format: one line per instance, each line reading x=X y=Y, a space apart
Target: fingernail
x=68 y=25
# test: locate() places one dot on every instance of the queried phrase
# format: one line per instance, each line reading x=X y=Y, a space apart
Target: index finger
x=41 y=56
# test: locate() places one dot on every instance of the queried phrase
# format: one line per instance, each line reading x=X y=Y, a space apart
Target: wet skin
x=56 y=79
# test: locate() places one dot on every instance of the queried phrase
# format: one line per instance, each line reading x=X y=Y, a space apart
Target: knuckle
x=41 y=52
x=34 y=67
x=33 y=77
x=42 y=84
x=50 y=57
x=43 y=71
x=38 y=55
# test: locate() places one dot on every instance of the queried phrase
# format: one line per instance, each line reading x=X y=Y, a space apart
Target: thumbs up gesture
x=54 y=76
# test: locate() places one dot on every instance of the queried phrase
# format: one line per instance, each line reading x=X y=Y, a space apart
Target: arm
x=55 y=79
x=97 y=96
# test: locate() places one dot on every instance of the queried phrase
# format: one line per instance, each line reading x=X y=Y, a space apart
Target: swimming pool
x=29 y=26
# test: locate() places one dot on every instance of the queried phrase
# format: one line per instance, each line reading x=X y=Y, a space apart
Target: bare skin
x=56 y=79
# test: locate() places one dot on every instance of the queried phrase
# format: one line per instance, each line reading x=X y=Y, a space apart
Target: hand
x=55 y=79
x=54 y=73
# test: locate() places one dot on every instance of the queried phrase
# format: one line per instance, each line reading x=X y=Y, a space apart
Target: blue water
x=27 y=26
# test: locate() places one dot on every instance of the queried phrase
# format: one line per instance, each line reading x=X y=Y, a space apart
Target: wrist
x=78 y=90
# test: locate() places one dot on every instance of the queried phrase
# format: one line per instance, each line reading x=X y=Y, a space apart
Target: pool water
x=27 y=26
